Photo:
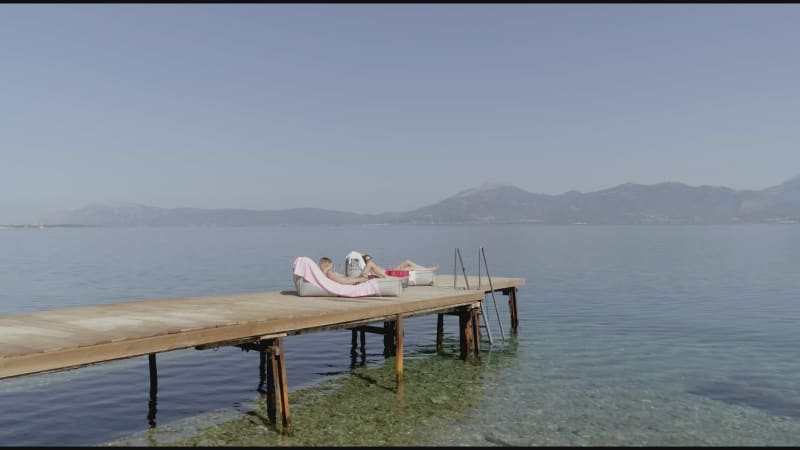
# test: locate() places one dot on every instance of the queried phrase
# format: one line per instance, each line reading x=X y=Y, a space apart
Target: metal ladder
x=482 y=255
x=458 y=261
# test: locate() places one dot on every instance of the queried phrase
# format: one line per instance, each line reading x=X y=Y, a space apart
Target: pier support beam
x=151 y=407
x=270 y=386
x=399 y=349
x=389 y=339
x=476 y=330
x=512 y=306
x=465 y=319
x=262 y=371
x=469 y=331
x=272 y=378
x=439 y=332
x=359 y=332
x=277 y=388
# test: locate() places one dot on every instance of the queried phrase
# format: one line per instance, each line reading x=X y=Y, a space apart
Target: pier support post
x=512 y=307
x=464 y=331
x=284 y=389
x=354 y=362
x=388 y=339
x=399 y=349
x=278 y=391
x=262 y=371
x=475 y=318
x=439 y=332
x=151 y=406
x=270 y=385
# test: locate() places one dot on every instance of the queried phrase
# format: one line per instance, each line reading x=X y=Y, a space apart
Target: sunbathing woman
x=327 y=266
x=373 y=270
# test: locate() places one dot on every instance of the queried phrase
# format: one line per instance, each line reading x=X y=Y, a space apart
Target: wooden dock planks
x=73 y=337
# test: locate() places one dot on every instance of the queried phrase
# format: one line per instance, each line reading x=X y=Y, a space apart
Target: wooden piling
x=282 y=387
x=399 y=348
x=153 y=374
x=389 y=338
x=271 y=405
x=262 y=371
x=439 y=332
x=512 y=307
x=465 y=335
x=151 y=406
x=476 y=330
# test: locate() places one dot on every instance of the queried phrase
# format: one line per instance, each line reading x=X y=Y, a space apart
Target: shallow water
x=649 y=335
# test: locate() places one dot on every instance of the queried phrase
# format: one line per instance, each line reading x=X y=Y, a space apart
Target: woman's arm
x=343 y=280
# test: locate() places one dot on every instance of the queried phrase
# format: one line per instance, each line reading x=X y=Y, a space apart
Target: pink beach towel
x=305 y=267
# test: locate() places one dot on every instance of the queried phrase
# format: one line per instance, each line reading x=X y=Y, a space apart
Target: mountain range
x=627 y=203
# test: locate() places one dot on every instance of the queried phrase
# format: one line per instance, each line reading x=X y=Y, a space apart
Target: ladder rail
x=491 y=287
x=457 y=259
x=479 y=267
x=463 y=270
x=483 y=313
x=455 y=264
x=486 y=323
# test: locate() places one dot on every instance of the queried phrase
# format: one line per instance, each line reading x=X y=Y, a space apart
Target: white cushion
x=420 y=278
x=389 y=287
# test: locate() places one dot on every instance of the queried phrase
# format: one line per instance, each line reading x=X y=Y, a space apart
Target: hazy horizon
x=375 y=108
x=470 y=213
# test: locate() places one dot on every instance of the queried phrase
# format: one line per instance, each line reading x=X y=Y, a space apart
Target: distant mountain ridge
x=628 y=203
x=132 y=214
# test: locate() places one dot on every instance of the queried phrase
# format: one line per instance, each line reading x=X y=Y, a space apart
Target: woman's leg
x=411 y=265
x=373 y=269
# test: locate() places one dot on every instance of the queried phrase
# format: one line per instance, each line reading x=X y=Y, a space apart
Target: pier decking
x=73 y=337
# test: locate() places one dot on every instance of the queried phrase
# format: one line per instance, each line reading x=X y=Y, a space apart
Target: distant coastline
x=531 y=223
x=61 y=225
x=625 y=204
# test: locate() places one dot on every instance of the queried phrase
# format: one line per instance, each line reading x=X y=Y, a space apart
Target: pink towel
x=305 y=267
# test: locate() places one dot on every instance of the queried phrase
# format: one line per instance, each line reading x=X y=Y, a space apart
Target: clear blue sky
x=371 y=108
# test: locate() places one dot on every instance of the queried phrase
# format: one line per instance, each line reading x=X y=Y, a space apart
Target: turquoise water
x=649 y=335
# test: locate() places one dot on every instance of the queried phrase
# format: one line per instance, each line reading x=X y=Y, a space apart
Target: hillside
x=492 y=203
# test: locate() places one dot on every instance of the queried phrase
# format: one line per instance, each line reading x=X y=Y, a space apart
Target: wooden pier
x=74 y=337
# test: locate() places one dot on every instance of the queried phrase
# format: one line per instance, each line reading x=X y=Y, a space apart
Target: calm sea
x=628 y=335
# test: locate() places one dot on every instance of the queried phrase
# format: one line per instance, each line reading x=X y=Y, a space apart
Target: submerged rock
x=765 y=398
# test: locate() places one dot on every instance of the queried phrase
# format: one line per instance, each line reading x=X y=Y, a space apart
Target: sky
x=387 y=107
